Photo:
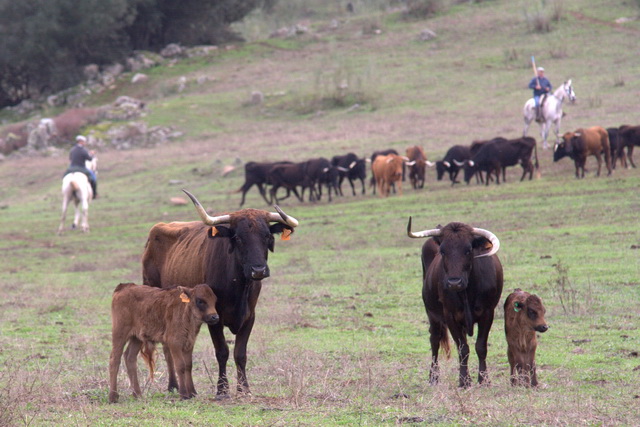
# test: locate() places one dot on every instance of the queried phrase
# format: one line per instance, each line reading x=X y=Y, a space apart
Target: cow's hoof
x=222 y=396
x=113 y=397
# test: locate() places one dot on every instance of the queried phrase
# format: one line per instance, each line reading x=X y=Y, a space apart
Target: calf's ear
x=185 y=294
x=517 y=306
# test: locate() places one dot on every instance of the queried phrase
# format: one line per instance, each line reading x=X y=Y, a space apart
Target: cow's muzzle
x=259 y=272
x=212 y=319
x=455 y=284
x=541 y=328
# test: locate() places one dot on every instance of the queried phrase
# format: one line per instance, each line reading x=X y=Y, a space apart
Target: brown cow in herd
x=227 y=252
x=582 y=143
x=144 y=316
x=387 y=171
x=417 y=166
x=523 y=317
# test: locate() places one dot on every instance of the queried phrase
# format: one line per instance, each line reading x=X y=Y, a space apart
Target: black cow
x=350 y=167
x=629 y=136
x=453 y=161
x=228 y=253
x=499 y=153
x=462 y=283
x=289 y=177
x=614 y=144
x=257 y=174
x=372 y=182
x=322 y=173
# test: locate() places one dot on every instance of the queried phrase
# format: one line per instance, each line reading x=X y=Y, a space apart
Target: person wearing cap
x=541 y=86
x=78 y=156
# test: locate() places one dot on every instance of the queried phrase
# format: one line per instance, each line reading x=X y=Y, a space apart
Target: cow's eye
x=200 y=302
x=532 y=313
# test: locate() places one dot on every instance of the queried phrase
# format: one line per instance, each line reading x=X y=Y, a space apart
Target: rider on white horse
x=78 y=156
x=541 y=86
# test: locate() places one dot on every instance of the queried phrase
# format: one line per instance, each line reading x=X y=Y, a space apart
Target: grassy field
x=341 y=336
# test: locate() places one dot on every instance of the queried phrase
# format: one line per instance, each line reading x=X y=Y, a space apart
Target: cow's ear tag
x=517 y=306
x=286 y=234
x=184 y=297
x=214 y=231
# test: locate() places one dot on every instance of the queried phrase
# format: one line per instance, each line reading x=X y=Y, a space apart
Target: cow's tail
x=148 y=351
x=535 y=156
x=444 y=342
x=607 y=151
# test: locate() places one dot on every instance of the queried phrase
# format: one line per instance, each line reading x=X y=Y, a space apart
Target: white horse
x=77 y=188
x=551 y=112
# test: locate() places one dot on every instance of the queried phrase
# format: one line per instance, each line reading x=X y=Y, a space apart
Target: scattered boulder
x=426 y=35
x=124 y=108
x=172 y=50
x=139 y=78
x=257 y=97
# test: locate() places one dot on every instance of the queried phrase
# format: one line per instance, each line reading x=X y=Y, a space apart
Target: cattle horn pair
x=435 y=232
x=278 y=216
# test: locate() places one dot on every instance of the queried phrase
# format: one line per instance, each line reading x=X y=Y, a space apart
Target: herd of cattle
x=211 y=271
x=486 y=160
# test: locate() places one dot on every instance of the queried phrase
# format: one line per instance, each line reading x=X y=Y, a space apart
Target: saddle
x=539 y=114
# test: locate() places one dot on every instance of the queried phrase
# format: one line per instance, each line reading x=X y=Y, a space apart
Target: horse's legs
x=544 y=133
x=527 y=122
x=77 y=215
x=65 y=205
x=85 y=214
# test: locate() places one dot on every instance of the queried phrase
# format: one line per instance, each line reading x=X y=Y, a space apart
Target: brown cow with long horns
x=462 y=284
x=228 y=253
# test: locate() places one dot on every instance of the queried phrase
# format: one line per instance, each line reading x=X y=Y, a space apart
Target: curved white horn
x=352 y=164
x=282 y=217
x=423 y=233
x=206 y=218
x=489 y=236
x=430 y=164
x=410 y=163
x=447 y=164
x=459 y=164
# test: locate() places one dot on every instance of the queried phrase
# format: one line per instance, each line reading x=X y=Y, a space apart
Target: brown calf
x=144 y=316
x=523 y=316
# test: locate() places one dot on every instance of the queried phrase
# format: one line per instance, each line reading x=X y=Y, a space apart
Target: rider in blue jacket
x=78 y=156
x=541 y=86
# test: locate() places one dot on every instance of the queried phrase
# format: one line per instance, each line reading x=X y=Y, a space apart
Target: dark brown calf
x=523 y=317
x=144 y=316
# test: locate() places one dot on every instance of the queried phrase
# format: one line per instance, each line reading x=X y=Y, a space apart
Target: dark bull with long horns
x=227 y=252
x=462 y=284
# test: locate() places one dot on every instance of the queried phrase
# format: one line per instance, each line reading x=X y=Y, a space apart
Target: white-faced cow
x=462 y=284
x=228 y=253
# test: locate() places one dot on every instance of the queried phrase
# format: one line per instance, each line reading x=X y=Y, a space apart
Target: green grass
x=341 y=336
